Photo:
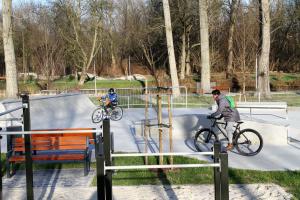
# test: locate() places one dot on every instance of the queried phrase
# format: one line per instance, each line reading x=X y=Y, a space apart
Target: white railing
x=134 y=97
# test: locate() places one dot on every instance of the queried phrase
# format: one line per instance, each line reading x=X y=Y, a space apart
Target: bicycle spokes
x=249 y=142
x=204 y=140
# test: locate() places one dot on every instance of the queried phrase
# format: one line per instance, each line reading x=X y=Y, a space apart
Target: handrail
x=11 y=119
x=12 y=110
x=41 y=132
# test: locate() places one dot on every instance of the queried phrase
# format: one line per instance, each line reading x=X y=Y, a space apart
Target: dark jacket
x=229 y=114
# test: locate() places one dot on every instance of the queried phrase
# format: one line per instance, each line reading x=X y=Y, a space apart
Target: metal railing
x=104 y=159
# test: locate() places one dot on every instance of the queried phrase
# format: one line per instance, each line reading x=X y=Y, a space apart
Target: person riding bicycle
x=111 y=99
x=230 y=114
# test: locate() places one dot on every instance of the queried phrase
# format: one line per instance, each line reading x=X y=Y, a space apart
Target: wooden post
x=170 y=129
x=159 y=118
x=146 y=127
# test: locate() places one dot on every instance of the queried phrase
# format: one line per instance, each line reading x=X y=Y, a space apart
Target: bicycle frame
x=216 y=123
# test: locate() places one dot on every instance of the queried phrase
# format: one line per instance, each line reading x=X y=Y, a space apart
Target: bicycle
x=248 y=142
x=114 y=112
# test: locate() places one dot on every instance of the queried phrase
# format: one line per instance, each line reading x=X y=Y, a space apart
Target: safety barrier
x=104 y=162
x=264 y=105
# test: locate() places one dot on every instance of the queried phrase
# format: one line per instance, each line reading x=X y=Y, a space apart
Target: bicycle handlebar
x=214 y=118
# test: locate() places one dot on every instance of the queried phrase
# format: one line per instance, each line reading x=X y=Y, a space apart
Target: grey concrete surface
x=277 y=153
x=75 y=110
x=50 y=112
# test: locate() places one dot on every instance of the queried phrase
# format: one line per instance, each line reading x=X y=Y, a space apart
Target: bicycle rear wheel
x=97 y=115
x=248 y=142
x=116 y=114
x=204 y=139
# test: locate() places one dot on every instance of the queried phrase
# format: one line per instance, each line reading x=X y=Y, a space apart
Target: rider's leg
x=230 y=130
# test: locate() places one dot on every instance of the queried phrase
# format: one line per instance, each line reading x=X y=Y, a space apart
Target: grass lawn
x=289 y=180
x=67 y=84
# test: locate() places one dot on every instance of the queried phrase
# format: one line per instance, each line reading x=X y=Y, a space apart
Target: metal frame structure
x=104 y=158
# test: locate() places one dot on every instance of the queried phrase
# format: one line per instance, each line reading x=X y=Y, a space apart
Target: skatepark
x=74 y=111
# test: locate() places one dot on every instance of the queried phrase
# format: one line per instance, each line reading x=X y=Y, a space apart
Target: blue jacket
x=112 y=97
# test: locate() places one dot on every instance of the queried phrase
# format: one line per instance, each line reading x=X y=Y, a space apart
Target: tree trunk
x=188 y=55
x=169 y=36
x=264 y=54
x=9 y=51
x=24 y=59
x=183 y=55
x=82 y=76
x=113 y=58
x=234 y=6
x=205 y=62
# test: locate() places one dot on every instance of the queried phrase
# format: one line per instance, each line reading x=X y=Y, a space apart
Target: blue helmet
x=111 y=91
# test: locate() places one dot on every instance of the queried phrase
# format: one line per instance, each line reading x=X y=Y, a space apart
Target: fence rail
x=104 y=159
x=135 y=96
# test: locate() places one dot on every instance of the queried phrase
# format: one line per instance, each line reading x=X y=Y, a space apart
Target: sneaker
x=229 y=147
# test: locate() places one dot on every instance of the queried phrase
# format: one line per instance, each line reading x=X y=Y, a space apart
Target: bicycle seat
x=239 y=122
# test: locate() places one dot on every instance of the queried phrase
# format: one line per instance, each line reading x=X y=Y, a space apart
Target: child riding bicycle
x=110 y=99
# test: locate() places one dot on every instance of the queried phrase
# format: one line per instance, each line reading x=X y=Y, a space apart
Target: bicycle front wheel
x=116 y=114
x=248 y=142
x=204 y=140
x=97 y=115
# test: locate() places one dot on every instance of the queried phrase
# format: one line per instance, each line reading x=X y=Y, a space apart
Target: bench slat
x=61 y=157
x=52 y=143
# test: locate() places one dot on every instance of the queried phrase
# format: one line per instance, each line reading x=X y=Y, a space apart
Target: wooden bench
x=263 y=105
x=61 y=147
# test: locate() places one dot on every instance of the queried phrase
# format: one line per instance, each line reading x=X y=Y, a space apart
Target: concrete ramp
x=59 y=111
x=51 y=112
x=277 y=152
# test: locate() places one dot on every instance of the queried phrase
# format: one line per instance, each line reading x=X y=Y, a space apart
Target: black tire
x=200 y=140
x=97 y=115
x=116 y=113
x=248 y=142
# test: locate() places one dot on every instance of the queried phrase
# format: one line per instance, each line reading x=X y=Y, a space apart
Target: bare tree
x=9 y=51
x=112 y=45
x=233 y=7
x=171 y=54
x=205 y=61
x=85 y=20
x=264 y=53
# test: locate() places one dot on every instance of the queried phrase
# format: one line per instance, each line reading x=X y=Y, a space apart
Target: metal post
x=217 y=181
x=107 y=155
x=128 y=99
x=186 y=99
x=224 y=176
x=100 y=168
x=0 y=170
x=28 y=157
x=95 y=81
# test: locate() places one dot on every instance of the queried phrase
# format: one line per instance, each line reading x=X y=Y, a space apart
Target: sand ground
x=149 y=192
